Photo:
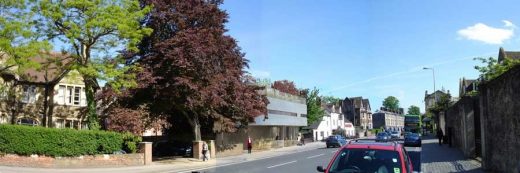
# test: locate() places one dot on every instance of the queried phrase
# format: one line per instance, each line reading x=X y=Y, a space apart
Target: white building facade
x=330 y=122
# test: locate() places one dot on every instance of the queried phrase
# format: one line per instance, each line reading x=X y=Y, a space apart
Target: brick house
x=52 y=96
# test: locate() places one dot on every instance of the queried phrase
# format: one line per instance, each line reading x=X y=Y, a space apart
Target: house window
x=60 y=123
x=321 y=133
x=70 y=95
x=303 y=115
x=77 y=92
x=27 y=121
x=29 y=94
x=282 y=112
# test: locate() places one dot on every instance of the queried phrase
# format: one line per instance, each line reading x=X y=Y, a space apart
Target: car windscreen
x=381 y=134
x=366 y=160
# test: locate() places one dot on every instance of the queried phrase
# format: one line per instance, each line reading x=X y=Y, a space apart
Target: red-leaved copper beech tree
x=192 y=70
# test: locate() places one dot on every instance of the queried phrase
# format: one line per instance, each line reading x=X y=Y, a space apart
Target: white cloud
x=488 y=34
x=260 y=74
x=508 y=23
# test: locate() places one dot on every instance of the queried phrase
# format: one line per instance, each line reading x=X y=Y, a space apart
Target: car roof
x=390 y=146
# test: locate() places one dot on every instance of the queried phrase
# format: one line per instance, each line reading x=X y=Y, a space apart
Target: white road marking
x=333 y=152
x=282 y=164
x=315 y=156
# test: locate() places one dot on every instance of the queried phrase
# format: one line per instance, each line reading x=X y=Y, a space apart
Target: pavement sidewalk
x=177 y=165
x=442 y=159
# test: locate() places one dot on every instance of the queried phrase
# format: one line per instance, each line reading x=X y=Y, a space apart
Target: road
x=301 y=162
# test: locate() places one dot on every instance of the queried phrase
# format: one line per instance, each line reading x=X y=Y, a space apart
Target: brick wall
x=107 y=160
x=499 y=103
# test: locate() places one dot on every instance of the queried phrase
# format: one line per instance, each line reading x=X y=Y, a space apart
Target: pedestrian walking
x=204 y=151
x=249 y=144
x=440 y=135
x=302 y=140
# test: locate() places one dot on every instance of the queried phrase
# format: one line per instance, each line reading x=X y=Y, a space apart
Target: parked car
x=382 y=137
x=370 y=157
x=395 y=134
x=335 y=141
x=412 y=139
x=172 y=148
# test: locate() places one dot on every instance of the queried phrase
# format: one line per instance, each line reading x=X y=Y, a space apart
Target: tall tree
x=91 y=33
x=18 y=40
x=493 y=68
x=391 y=103
x=314 y=109
x=193 y=71
x=414 y=110
x=286 y=86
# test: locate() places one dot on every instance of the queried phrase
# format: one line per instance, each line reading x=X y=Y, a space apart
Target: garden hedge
x=27 y=140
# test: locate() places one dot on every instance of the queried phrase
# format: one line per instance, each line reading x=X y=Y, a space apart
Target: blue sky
x=372 y=49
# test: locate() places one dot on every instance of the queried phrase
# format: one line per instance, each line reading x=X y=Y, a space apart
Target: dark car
x=357 y=157
x=412 y=139
x=172 y=148
x=335 y=141
x=383 y=137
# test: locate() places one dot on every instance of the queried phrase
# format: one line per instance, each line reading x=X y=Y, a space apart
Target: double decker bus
x=412 y=123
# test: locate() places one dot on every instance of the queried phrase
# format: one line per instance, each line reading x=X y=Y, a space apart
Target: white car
x=395 y=134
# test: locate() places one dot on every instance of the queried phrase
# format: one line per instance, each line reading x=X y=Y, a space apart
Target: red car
x=370 y=157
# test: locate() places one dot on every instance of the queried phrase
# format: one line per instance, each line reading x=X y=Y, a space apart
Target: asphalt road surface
x=300 y=162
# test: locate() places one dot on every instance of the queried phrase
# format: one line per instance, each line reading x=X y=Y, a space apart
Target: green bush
x=26 y=140
x=131 y=142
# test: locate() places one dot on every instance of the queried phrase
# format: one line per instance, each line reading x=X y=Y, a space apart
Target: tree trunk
x=92 y=118
x=50 y=107
x=45 y=120
x=195 y=124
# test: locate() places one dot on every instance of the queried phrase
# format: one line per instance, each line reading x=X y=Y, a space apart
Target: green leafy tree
x=330 y=100
x=314 y=109
x=391 y=103
x=441 y=106
x=414 y=110
x=92 y=32
x=493 y=68
x=18 y=40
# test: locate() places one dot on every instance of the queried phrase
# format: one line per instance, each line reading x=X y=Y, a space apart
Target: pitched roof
x=357 y=101
x=53 y=64
x=502 y=54
x=366 y=103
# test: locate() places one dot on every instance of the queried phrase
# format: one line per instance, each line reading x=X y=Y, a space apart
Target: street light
x=433 y=72
x=434 y=91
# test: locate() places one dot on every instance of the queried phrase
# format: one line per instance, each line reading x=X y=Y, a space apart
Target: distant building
x=431 y=99
x=349 y=129
x=330 y=122
x=466 y=86
x=502 y=55
x=63 y=90
x=391 y=120
x=361 y=115
x=286 y=114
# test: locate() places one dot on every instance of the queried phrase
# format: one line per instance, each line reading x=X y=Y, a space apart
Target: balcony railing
x=270 y=92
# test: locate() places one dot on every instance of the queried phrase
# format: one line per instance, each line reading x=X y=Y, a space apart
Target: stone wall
x=499 y=103
x=460 y=125
x=107 y=160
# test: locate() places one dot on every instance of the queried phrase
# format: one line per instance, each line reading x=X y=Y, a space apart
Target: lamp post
x=433 y=72
x=434 y=91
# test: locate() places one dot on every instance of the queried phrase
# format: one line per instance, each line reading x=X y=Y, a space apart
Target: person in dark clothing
x=249 y=145
x=440 y=135
x=205 y=151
